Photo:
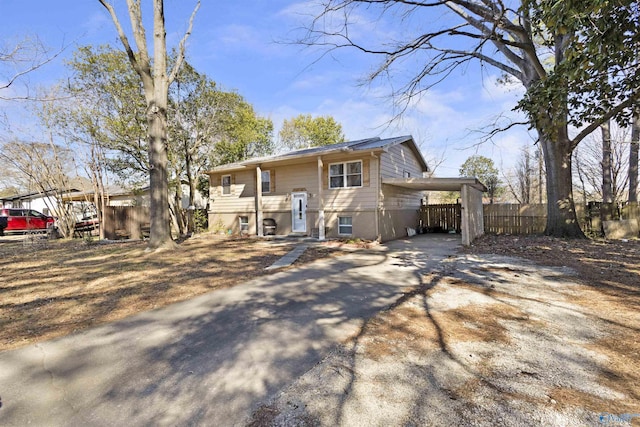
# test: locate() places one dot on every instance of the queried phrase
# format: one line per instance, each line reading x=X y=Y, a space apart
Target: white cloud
x=496 y=89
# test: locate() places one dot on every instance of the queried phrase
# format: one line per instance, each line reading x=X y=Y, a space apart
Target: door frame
x=304 y=211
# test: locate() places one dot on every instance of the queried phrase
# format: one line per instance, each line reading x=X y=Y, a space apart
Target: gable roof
x=369 y=144
x=34 y=195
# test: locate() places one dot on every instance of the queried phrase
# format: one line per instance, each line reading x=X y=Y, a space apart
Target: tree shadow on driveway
x=207 y=360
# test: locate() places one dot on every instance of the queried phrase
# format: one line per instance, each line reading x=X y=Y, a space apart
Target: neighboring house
x=45 y=203
x=370 y=189
x=115 y=195
x=118 y=196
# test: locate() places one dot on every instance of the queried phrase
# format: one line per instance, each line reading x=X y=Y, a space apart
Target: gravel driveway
x=485 y=341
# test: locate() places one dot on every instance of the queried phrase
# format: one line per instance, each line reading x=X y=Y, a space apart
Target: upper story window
x=348 y=174
x=226 y=184
x=266 y=181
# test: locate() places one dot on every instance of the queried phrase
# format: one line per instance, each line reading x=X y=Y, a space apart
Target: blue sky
x=242 y=45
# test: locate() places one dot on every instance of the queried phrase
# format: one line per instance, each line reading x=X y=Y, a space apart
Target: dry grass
x=67 y=286
x=608 y=292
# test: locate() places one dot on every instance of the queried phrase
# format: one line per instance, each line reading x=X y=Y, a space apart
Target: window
x=266 y=181
x=226 y=184
x=348 y=174
x=244 y=224
x=345 y=225
x=406 y=174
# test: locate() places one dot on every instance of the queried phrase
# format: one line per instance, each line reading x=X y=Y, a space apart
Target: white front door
x=299 y=212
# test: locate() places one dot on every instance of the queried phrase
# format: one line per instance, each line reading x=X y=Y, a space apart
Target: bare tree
x=155 y=83
x=45 y=168
x=19 y=59
x=590 y=158
x=633 y=157
x=607 y=191
x=520 y=183
x=528 y=40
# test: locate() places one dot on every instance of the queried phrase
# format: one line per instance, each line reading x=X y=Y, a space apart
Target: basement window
x=345 y=225
x=244 y=224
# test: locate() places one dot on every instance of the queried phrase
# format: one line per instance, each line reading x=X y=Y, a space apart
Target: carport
x=470 y=189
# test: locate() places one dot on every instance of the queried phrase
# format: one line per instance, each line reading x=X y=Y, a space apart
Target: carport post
x=321 y=235
x=259 y=215
x=472 y=214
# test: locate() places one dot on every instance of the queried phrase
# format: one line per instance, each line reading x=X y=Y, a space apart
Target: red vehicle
x=21 y=220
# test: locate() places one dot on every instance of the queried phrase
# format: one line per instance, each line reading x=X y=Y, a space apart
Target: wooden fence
x=440 y=218
x=631 y=211
x=516 y=218
x=126 y=222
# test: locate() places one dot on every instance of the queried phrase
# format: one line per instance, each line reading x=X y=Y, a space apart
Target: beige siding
x=399 y=159
x=241 y=198
x=350 y=199
x=398 y=206
x=226 y=209
x=363 y=224
x=394 y=222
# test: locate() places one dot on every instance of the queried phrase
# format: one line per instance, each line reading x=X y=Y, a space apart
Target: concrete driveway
x=213 y=359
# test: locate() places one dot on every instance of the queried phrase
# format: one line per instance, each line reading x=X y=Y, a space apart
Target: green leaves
x=305 y=131
x=484 y=169
x=596 y=48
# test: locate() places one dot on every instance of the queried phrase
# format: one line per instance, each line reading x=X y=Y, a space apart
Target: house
x=370 y=189
x=44 y=202
x=115 y=196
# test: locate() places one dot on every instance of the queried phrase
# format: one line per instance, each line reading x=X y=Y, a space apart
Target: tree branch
x=181 y=46
x=628 y=103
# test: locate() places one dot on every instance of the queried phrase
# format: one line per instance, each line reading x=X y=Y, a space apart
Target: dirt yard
x=512 y=331
x=53 y=288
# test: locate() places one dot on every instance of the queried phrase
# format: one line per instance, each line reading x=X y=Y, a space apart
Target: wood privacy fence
x=515 y=219
x=440 y=218
x=631 y=211
x=126 y=222
x=498 y=219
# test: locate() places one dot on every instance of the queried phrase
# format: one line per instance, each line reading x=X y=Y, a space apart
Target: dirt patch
x=59 y=287
x=517 y=331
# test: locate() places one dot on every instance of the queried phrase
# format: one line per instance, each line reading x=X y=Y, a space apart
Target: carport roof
x=435 y=184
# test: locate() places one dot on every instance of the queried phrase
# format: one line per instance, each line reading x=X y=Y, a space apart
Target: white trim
x=261 y=182
x=222 y=185
x=302 y=211
x=345 y=225
x=345 y=174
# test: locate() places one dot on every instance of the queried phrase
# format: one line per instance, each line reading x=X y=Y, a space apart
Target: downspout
x=379 y=189
x=321 y=224
x=259 y=214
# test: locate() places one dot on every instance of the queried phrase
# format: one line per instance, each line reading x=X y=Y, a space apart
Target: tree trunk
x=633 y=157
x=540 y=157
x=607 y=191
x=561 y=213
x=155 y=87
x=159 y=217
x=192 y=189
x=177 y=208
x=156 y=94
